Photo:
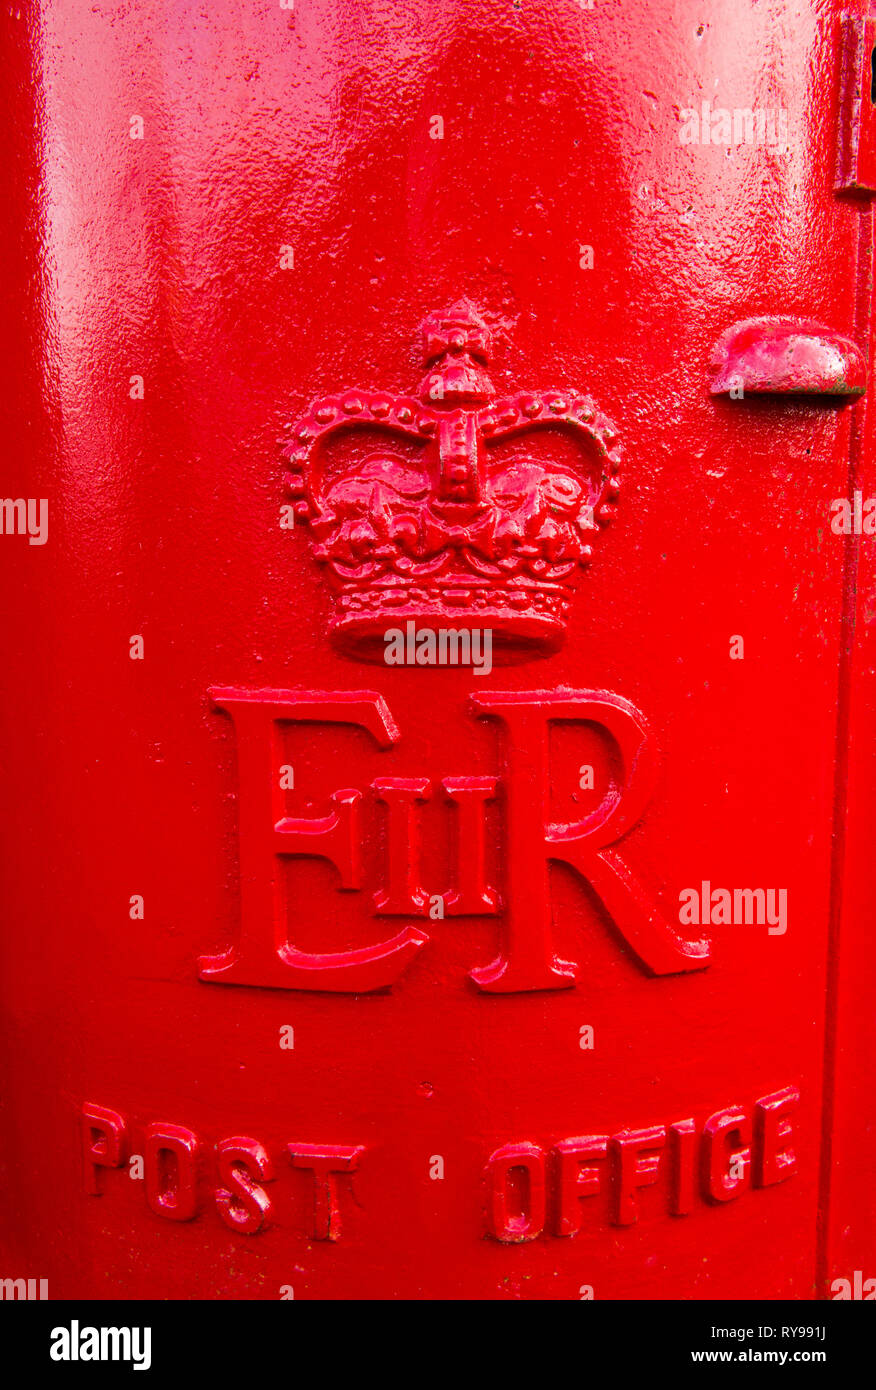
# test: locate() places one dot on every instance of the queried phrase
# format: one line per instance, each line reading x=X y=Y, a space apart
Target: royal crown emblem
x=451 y=507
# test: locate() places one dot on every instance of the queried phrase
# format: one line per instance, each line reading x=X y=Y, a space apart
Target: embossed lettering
x=103 y=1133
x=773 y=1160
x=635 y=1165
x=472 y=894
x=178 y=1184
x=263 y=954
x=171 y=1155
x=727 y=1133
x=244 y=1205
x=517 y=1208
x=577 y=1177
x=682 y=1154
x=684 y=1161
x=326 y=1162
x=526 y=960
x=404 y=894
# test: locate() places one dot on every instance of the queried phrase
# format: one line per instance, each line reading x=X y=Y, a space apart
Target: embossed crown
x=453 y=508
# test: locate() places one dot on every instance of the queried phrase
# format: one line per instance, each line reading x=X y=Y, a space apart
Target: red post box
x=437 y=703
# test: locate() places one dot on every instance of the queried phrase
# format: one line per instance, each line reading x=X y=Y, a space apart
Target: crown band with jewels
x=446 y=514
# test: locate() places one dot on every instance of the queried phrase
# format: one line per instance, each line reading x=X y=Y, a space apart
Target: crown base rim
x=515 y=637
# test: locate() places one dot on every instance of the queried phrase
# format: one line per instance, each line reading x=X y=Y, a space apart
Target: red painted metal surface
x=337 y=978
x=788 y=356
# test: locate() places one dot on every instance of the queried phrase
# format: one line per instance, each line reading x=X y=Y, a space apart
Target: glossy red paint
x=789 y=356
x=554 y=1078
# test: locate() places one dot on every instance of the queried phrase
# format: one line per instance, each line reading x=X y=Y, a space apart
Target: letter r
x=526 y=959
